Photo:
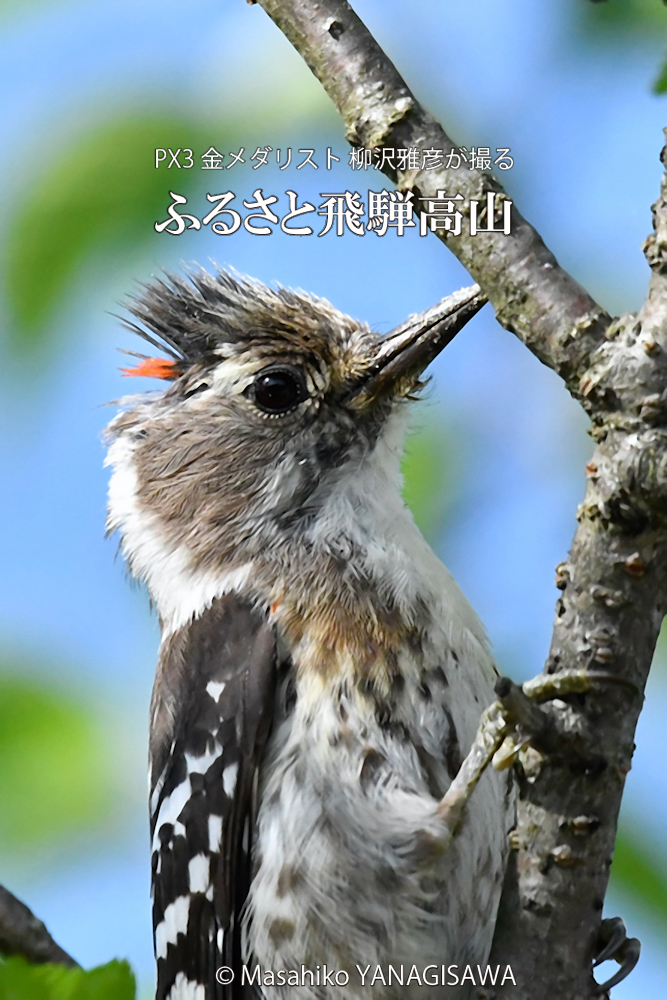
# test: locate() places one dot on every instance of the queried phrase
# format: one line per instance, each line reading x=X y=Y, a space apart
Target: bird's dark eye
x=278 y=390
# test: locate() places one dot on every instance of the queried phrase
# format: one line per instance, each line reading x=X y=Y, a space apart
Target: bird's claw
x=497 y=739
x=505 y=728
x=611 y=937
x=616 y=944
x=509 y=725
x=529 y=723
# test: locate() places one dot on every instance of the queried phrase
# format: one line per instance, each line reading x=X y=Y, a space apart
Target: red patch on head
x=154 y=368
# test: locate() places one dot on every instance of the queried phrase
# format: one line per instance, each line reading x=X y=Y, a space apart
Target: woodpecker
x=320 y=676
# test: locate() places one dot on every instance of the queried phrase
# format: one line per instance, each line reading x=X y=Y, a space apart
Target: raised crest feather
x=154 y=368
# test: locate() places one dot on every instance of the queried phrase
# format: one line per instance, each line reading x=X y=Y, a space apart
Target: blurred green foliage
x=8 y=7
x=660 y=85
x=640 y=872
x=20 y=981
x=103 y=192
x=429 y=479
x=621 y=16
x=604 y=21
x=54 y=771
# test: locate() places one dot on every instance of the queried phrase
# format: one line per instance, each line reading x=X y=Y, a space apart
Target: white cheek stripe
x=178 y=593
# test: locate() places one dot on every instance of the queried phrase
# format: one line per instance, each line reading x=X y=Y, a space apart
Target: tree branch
x=21 y=933
x=614 y=585
x=608 y=618
x=531 y=294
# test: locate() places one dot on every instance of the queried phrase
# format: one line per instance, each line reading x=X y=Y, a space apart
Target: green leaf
x=427 y=471
x=53 y=770
x=660 y=85
x=617 y=17
x=623 y=22
x=102 y=192
x=21 y=981
x=639 y=871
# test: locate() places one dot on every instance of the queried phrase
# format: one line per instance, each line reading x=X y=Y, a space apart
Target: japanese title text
x=344 y=212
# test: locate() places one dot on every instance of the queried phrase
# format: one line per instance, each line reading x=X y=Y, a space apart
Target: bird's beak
x=409 y=349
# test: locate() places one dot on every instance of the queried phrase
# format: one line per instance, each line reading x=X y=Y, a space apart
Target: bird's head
x=271 y=393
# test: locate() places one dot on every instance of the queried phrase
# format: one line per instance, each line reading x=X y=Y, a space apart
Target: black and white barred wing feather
x=212 y=711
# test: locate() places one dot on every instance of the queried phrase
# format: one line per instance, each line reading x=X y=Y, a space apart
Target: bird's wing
x=215 y=689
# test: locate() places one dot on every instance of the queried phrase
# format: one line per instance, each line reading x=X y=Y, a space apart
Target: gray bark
x=22 y=933
x=614 y=584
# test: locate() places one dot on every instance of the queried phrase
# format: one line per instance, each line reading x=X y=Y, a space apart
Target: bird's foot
x=613 y=942
x=511 y=723
x=528 y=723
x=493 y=729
